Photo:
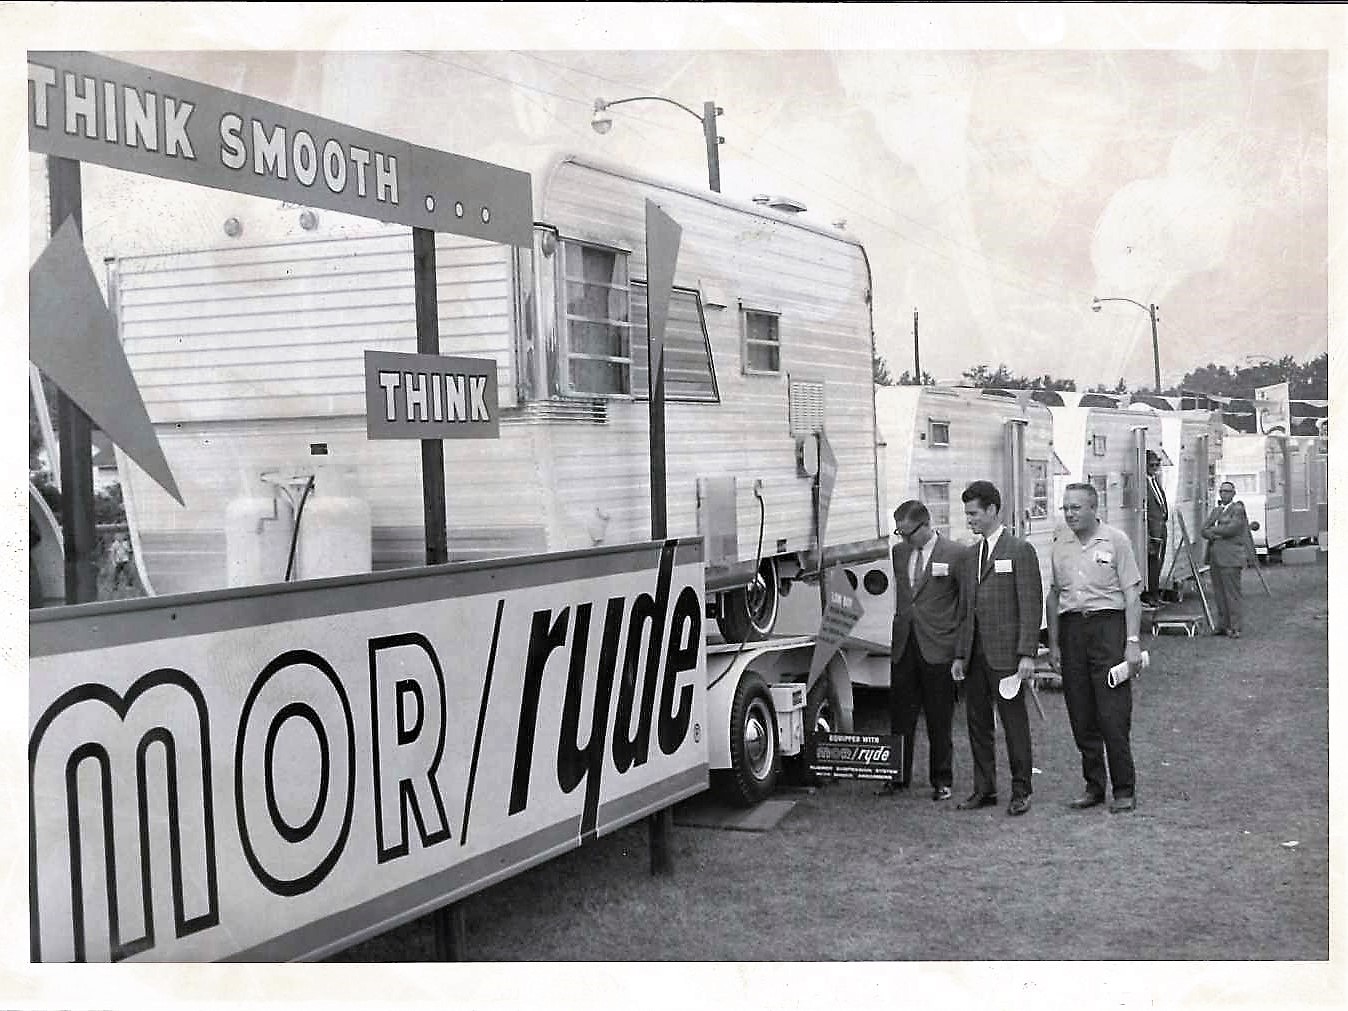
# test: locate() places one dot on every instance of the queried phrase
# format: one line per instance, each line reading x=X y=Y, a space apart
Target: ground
x=1225 y=858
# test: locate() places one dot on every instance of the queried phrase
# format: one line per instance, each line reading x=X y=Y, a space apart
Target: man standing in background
x=928 y=570
x=1228 y=533
x=1158 y=522
x=999 y=639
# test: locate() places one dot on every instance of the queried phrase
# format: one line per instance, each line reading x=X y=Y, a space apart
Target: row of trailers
x=936 y=440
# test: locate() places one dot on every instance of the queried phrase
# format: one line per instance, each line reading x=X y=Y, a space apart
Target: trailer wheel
x=748 y=613
x=755 y=759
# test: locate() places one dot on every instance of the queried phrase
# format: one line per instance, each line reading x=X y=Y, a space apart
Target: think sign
x=269 y=775
x=91 y=108
x=430 y=397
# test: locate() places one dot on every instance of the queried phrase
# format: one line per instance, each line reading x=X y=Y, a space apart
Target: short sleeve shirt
x=1093 y=576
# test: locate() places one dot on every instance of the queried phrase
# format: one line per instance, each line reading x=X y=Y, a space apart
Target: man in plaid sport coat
x=999 y=637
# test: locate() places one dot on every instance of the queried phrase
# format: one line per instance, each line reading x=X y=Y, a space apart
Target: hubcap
x=758 y=739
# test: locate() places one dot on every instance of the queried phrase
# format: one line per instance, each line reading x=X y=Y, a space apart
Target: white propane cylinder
x=335 y=532
x=257 y=537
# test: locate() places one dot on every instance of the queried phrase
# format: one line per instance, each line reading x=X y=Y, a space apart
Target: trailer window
x=1101 y=483
x=1098 y=445
x=1038 y=489
x=935 y=495
x=690 y=373
x=938 y=432
x=597 y=336
x=762 y=342
x=1127 y=488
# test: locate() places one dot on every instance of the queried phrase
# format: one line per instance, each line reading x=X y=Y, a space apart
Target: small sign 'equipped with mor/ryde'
x=856 y=756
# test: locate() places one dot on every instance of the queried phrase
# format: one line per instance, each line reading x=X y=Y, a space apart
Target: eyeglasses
x=905 y=534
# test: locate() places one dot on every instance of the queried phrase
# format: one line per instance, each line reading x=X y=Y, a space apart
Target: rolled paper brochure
x=1120 y=673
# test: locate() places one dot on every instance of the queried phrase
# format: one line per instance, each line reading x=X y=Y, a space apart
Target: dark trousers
x=1155 y=555
x=917 y=685
x=1227 y=594
x=1101 y=716
x=980 y=691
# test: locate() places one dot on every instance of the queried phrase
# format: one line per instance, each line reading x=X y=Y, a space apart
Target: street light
x=1150 y=310
x=603 y=122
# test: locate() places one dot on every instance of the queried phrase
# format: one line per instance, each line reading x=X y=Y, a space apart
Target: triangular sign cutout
x=73 y=339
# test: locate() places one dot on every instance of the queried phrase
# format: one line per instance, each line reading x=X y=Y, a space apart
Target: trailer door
x=1015 y=495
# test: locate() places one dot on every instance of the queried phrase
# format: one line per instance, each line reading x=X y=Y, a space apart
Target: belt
x=1098 y=613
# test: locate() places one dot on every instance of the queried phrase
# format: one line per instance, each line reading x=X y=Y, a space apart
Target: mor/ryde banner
x=273 y=773
x=94 y=109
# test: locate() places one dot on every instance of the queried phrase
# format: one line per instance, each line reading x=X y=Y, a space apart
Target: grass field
x=1226 y=857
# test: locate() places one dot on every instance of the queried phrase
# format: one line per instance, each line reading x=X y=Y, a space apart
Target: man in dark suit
x=999 y=639
x=1227 y=530
x=928 y=570
x=1158 y=524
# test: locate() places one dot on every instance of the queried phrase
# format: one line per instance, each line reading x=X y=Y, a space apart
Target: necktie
x=914 y=566
x=982 y=557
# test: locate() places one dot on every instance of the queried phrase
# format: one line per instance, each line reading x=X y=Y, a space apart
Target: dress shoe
x=976 y=800
x=1234 y=633
x=890 y=787
x=1086 y=800
x=1018 y=805
x=940 y=793
x=1219 y=631
x=1119 y=805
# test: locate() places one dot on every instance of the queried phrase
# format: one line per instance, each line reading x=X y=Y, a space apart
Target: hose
x=295 y=533
x=758 y=561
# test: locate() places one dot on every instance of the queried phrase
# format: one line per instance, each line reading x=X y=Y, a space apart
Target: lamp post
x=1150 y=310
x=603 y=122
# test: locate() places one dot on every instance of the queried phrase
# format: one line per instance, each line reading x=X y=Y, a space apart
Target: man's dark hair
x=913 y=511
x=1089 y=489
x=985 y=493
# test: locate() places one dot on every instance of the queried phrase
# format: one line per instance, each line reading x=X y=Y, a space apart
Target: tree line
x=1307 y=380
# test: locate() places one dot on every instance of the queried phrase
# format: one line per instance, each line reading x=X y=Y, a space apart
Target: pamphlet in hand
x=1120 y=673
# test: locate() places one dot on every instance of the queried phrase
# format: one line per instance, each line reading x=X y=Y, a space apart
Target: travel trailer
x=932 y=443
x=1283 y=483
x=1103 y=439
x=250 y=361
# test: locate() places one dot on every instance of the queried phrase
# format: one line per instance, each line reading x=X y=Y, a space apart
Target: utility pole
x=917 y=361
x=1155 y=348
x=709 y=112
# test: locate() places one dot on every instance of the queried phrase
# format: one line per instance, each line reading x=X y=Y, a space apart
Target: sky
x=996 y=191
x=1001 y=164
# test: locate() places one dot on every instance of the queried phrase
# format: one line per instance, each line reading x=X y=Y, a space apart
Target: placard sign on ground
x=272 y=774
x=855 y=756
x=91 y=108
x=430 y=396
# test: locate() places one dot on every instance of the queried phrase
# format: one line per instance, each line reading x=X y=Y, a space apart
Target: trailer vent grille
x=544 y=412
x=806 y=407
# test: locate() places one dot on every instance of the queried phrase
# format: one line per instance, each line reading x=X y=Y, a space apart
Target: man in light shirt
x=927 y=608
x=1094 y=611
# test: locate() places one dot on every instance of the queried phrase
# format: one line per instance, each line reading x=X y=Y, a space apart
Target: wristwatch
x=1133 y=638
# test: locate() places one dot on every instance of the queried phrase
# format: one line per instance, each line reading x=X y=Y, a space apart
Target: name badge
x=1001 y=565
x=940 y=569
x=1104 y=558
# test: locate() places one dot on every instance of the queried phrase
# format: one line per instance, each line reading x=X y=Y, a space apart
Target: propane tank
x=258 y=526
x=335 y=533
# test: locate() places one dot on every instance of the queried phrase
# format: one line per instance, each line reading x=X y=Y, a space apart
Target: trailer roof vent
x=761 y=198
x=788 y=205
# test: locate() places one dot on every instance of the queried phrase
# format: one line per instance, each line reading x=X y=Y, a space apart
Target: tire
x=748 y=613
x=755 y=758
